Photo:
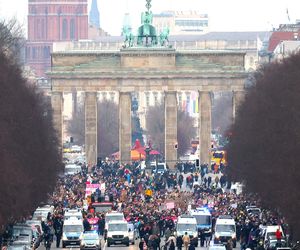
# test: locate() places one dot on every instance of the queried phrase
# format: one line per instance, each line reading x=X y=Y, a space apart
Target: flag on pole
x=184 y=105
x=197 y=106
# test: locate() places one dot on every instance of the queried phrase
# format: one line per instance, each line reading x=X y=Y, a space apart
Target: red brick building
x=51 y=21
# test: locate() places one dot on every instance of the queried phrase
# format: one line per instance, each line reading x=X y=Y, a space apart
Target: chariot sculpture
x=146 y=35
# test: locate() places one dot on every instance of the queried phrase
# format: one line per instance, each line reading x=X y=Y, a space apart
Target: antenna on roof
x=288 y=15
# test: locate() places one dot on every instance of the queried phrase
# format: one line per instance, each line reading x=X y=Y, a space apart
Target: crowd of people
x=126 y=185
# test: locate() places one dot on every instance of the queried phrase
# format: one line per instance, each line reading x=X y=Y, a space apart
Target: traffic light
x=176 y=145
x=71 y=139
x=197 y=163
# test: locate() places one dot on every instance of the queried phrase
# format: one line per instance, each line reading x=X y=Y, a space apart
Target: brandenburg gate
x=137 y=68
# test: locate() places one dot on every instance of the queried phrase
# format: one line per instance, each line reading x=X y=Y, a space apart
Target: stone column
x=91 y=128
x=74 y=103
x=237 y=99
x=205 y=127
x=125 y=127
x=57 y=107
x=170 y=128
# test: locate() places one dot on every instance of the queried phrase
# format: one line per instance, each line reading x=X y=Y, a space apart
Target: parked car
x=269 y=234
x=22 y=235
x=273 y=244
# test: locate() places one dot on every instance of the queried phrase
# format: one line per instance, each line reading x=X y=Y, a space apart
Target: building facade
x=51 y=21
x=181 y=22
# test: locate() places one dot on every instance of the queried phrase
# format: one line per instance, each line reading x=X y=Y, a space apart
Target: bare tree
x=12 y=39
x=155 y=124
x=108 y=128
x=264 y=147
x=222 y=113
x=156 y=129
x=185 y=132
x=76 y=125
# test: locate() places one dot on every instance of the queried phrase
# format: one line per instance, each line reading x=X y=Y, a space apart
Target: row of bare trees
x=30 y=159
x=108 y=127
x=265 y=144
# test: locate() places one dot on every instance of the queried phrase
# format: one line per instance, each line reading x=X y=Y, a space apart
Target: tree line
x=29 y=154
x=264 y=147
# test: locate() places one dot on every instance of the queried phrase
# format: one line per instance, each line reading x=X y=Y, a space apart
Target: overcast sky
x=224 y=15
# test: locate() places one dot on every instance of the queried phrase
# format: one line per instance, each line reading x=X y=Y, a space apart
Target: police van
x=203 y=218
x=186 y=224
x=73 y=213
x=72 y=232
x=225 y=230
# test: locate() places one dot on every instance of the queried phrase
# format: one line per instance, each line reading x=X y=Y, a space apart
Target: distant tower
x=94 y=15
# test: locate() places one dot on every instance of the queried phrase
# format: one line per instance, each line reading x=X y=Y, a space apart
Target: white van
x=204 y=219
x=113 y=216
x=72 y=213
x=117 y=233
x=72 y=232
x=269 y=233
x=41 y=213
x=225 y=229
x=71 y=169
x=187 y=223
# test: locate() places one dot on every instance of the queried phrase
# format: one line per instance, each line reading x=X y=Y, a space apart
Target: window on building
x=28 y=53
x=38 y=29
x=79 y=10
x=65 y=29
x=33 y=10
x=33 y=53
x=72 y=29
x=191 y=23
x=43 y=29
x=46 y=53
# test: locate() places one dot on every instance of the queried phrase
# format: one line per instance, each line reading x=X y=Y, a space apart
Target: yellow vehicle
x=219 y=156
x=67 y=150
